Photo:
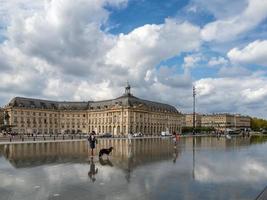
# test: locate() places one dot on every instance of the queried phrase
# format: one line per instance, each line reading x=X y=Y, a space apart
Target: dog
x=105 y=151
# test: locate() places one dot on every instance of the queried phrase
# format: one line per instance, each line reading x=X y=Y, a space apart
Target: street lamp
x=194 y=109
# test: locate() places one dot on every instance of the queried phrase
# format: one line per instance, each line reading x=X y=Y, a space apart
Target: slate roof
x=46 y=104
x=126 y=100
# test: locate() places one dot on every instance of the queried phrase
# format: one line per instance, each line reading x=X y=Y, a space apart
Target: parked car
x=106 y=135
x=138 y=134
x=165 y=133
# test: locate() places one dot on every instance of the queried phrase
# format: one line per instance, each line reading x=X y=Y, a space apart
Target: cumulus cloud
x=170 y=77
x=228 y=28
x=245 y=95
x=218 y=8
x=253 y=53
x=147 y=46
x=217 y=61
x=235 y=71
x=192 y=60
x=59 y=50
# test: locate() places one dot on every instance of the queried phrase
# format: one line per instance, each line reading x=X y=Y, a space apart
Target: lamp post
x=194 y=109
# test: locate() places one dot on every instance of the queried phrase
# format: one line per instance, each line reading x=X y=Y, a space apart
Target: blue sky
x=88 y=49
x=139 y=13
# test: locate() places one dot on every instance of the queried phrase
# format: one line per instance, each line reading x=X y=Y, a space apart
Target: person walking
x=92 y=142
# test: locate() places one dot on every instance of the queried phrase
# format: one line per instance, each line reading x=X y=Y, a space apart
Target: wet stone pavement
x=195 y=168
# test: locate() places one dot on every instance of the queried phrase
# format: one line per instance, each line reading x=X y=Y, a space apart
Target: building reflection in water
x=127 y=154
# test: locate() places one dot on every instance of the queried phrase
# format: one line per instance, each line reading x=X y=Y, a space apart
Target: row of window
x=37 y=126
x=73 y=115
x=91 y=115
x=71 y=126
x=35 y=113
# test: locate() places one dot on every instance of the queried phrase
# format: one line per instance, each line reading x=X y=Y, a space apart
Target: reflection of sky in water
x=218 y=173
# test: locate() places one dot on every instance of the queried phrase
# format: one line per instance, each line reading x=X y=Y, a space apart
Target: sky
x=88 y=49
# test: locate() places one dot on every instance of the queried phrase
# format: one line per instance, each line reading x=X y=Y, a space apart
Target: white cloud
x=59 y=51
x=192 y=9
x=235 y=71
x=217 y=61
x=146 y=46
x=253 y=53
x=192 y=60
x=254 y=95
x=218 y=8
x=228 y=28
x=245 y=95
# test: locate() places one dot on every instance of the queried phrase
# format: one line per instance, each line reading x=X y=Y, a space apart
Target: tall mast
x=194 y=109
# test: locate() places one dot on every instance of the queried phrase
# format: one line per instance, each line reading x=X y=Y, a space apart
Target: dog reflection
x=105 y=162
x=93 y=170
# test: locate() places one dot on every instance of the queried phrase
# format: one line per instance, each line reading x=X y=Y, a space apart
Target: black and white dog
x=105 y=151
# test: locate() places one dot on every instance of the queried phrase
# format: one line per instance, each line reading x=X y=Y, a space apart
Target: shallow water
x=196 y=168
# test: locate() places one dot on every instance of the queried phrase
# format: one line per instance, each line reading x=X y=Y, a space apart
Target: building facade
x=242 y=122
x=188 y=120
x=120 y=116
x=225 y=120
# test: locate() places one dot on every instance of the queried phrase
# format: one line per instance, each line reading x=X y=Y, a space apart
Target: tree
x=258 y=124
x=197 y=129
x=1 y=116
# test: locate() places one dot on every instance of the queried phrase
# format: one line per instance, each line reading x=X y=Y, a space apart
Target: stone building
x=122 y=115
x=242 y=122
x=223 y=121
x=188 y=120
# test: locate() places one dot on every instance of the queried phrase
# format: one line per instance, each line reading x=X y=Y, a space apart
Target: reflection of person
x=92 y=142
x=129 y=170
x=175 y=154
x=93 y=170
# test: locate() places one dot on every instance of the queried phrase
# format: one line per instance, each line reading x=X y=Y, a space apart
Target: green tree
x=1 y=116
x=258 y=124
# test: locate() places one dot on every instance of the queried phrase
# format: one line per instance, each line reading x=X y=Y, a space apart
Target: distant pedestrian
x=92 y=142
x=243 y=134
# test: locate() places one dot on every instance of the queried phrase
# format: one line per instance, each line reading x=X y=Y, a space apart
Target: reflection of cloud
x=149 y=180
x=221 y=171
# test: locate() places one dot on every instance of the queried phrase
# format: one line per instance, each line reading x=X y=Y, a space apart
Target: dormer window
x=32 y=105
x=43 y=105
x=53 y=105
